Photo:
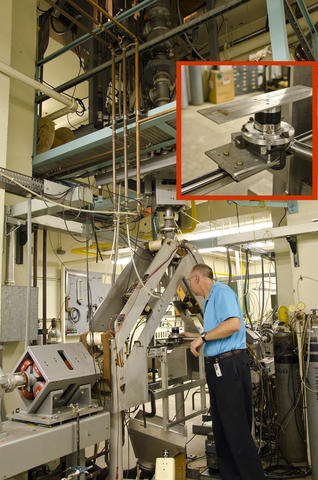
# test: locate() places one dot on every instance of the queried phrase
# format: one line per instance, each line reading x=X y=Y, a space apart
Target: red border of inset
x=249 y=197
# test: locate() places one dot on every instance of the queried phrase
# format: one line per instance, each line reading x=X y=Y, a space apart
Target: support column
x=278 y=31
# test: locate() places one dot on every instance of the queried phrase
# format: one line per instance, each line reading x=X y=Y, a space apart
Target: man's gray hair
x=203 y=269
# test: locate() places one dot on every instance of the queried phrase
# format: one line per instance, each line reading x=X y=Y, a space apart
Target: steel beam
x=278 y=31
x=122 y=16
x=266 y=234
x=148 y=166
x=312 y=28
x=296 y=27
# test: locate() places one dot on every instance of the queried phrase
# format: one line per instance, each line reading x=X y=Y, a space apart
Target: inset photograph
x=247 y=130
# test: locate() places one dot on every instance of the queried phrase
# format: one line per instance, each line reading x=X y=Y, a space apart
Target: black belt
x=221 y=356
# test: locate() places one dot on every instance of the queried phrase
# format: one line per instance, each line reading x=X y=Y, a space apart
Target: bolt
x=239 y=163
x=226 y=154
x=251 y=119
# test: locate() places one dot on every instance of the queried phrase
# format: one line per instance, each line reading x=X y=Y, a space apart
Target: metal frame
x=129 y=372
x=314 y=35
x=38 y=444
x=79 y=41
x=301 y=37
x=196 y=21
x=83 y=147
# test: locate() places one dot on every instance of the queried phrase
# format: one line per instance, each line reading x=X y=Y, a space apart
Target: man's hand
x=196 y=346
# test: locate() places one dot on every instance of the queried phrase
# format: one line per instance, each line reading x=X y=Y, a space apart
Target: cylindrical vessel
x=184 y=88
x=312 y=404
x=196 y=84
x=288 y=390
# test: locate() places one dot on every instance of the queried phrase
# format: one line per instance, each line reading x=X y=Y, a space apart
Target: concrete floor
x=199 y=134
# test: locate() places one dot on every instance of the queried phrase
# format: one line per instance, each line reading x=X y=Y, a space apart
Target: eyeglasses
x=190 y=278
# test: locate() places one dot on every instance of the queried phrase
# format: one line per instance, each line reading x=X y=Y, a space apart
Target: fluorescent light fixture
x=251 y=227
x=266 y=244
x=122 y=261
x=255 y=258
x=212 y=249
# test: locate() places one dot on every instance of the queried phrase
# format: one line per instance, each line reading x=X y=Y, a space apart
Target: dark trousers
x=231 y=411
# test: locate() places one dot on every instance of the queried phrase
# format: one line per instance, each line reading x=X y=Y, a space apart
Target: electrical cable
x=285 y=213
x=229 y=265
x=263 y=295
x=246 y=288
x=42 y=197
x=186 y=35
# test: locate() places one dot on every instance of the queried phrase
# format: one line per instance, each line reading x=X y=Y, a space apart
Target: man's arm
x=225 y=329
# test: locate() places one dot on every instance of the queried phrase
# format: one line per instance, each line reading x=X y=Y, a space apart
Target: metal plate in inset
x=246 y=106
x=239 y=163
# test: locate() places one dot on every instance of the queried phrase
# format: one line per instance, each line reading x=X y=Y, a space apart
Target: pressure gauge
x=301 y=306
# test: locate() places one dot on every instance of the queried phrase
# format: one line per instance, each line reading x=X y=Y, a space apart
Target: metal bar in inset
x=242 y=107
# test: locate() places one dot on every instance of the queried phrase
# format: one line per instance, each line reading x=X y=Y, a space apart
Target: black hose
x=153 y=405
x=229 y=265
x=246 y=288
x=263 y=294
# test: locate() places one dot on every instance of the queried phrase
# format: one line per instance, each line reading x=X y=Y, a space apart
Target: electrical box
x=76 y=298
x=13 y=313
x=166 y=193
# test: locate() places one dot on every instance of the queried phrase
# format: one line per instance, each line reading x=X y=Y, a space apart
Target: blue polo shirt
x=222 y=303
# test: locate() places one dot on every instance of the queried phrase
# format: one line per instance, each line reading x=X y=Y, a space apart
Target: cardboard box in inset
x=221 y=86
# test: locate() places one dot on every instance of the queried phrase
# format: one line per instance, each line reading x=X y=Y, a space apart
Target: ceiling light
x=266 y=244
x=251 y=227
x=212 y=249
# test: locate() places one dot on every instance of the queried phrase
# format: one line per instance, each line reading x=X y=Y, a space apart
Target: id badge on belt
x=217 y=369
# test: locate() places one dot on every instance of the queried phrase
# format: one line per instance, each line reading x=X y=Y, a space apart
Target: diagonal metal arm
x=182 y=270
x=140 y=297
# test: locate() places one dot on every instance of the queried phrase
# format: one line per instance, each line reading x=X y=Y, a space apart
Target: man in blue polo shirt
x=228 y=376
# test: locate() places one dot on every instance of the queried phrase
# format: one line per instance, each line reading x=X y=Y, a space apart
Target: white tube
x=29 y=273
x=154 y=245
x=94 y=338
x=11 y=72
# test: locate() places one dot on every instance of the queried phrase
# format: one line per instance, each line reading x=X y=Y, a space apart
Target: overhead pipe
x=221 y=9
x=125 y=128
x=114 y=128
x=76 y=22
x=137 y=112
x=29 y=272
x=78 y=41
x=50 y=92
x=10 y=256
x=35 y=258
x=86 y=14
x=252 y=42
x=44 y=286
